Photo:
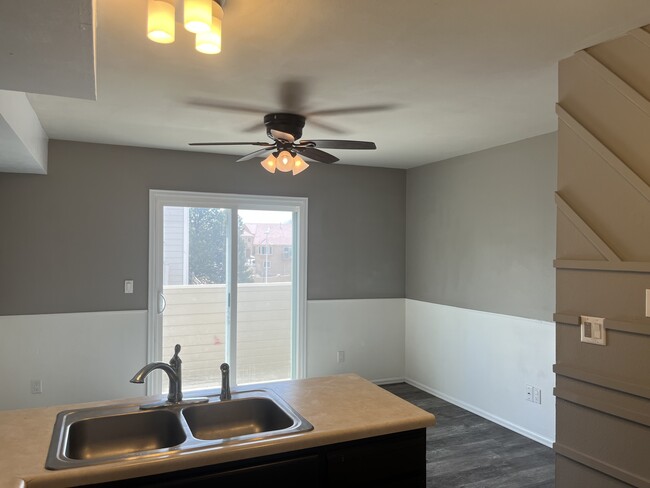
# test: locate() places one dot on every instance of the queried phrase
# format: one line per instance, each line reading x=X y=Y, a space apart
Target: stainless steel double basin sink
x=100 y=435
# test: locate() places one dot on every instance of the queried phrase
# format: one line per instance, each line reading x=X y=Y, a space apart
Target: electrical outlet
x=340 y=357
x=529 y=393
x=537 y=395
x=36 y=387
x=128 y=286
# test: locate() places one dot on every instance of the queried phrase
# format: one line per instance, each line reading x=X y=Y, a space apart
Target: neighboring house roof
x=271 y=234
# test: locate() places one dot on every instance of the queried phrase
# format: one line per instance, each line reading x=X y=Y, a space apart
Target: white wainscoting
x=370 y=331
x=79 y=357
x=83 y=357
x=482 y=362
x=477 y=360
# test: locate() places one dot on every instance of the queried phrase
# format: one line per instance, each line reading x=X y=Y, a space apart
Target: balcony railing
x=195 y=317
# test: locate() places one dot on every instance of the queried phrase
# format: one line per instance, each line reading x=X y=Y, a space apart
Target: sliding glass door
x=227 y=278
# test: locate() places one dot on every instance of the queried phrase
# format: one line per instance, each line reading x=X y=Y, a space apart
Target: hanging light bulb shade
x=197 y=15
x=161 y=21
x=270 y=164
x=285 y=161
x=209 y=42
x=299 y=165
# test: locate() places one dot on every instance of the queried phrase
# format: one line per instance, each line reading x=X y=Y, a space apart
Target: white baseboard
x=388 y=381
x=482 y=413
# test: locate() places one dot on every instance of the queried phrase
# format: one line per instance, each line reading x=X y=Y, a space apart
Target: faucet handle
x=225 y=382
x=175 y=361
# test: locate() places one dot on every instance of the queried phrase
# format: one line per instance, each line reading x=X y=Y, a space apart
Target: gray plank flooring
x=465 y=450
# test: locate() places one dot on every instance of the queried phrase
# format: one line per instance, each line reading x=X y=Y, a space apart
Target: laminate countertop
x=341 y=408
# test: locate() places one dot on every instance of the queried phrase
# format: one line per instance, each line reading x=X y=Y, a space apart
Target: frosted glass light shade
x=269 y=164
x=299 y=165
x=197 y=15
x=285 y=161
x=210 y=42
x=161 y=22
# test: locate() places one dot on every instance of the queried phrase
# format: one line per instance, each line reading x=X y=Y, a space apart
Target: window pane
x=264 y=297
x=194 y=286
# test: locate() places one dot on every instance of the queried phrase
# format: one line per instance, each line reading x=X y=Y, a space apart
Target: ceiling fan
x=286 y=150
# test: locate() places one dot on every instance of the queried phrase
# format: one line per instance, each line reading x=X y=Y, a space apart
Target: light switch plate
x=647 y=303
x=592 y=330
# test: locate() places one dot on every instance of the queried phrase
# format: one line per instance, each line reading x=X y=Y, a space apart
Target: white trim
x=232 y=289
x=154 y=331
x=388 y=381
x=299 y=257
x=550 y=323
x=160 y=198
x=482 y=413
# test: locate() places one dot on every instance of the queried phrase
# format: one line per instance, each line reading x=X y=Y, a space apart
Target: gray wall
x=70 y=238
x=481 y=230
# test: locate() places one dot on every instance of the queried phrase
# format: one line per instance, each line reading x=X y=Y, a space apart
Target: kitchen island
x=357 y=425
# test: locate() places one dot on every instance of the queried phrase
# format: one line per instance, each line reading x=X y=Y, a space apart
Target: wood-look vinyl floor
x=465 y=450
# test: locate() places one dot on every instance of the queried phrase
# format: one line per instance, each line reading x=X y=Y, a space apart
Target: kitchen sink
x=115 y=435
x=236 y=418
x=101 y=435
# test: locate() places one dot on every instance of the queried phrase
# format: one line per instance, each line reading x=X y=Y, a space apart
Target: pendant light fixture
x=161 y=21
x=200 y=17
x=209 y=42
x=197 y=15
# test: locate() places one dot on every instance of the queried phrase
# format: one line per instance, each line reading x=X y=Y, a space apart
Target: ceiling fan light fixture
x=197 y=15
x=285 y=161
x=299 y=165
x=161 y=21
x=269 y=164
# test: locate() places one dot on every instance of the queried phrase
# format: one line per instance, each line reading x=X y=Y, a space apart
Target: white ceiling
x=453 y=76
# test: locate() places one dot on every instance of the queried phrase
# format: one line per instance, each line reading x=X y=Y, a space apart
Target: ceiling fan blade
x=353 y=110
x=257 y=127
x=259 y=153
x=317 y=155
x=266 y=144
x=327 y=127
x=292 y=96
x=221 y=105
x=340 y=144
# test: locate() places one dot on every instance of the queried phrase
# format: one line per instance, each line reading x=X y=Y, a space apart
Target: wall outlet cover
x=36 y=387
x=592 y=330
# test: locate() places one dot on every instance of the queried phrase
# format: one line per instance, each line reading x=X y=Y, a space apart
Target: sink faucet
x=225 y=382
x=173 y=370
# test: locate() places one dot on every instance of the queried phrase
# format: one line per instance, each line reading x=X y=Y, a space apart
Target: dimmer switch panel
x=592 y=330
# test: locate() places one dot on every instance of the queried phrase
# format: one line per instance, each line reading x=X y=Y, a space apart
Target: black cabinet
x=395 y=460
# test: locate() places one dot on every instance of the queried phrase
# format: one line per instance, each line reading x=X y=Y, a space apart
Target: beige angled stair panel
x=603 y=392
x=618 y=84
x=585 y=230
x=641 y=35
x=619 y=166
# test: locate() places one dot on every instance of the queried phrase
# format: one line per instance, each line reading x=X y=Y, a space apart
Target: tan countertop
x=341 y=408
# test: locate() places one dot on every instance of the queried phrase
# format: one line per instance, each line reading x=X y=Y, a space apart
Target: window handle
x=162 y=303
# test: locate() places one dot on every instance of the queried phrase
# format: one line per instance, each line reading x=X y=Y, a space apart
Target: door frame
x=161 y=198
